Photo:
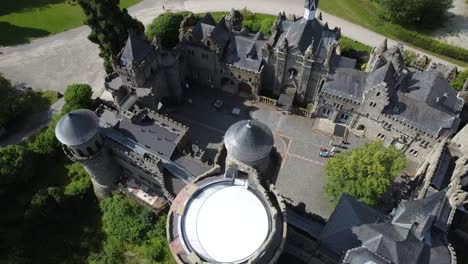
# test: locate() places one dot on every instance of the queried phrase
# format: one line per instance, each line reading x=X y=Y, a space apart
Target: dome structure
x=77 y=127
x=249 y=140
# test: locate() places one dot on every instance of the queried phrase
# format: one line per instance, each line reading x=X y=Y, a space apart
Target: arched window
x=80 y=153
x=90 y=150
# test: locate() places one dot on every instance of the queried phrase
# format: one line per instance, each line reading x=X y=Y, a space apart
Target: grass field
x=365 y=13
x=24 y=20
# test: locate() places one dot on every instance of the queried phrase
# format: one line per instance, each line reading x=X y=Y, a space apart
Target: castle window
x=80 y=153
x=378 y=94
x=381 y=136
x=195 y=74
x=250 y=79
x=208 y=43
x=239 y=76
x=90 y=150
x=413 y=152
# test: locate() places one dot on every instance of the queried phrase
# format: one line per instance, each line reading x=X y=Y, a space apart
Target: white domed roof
x=226 y=223
x=249 y=140
x=77 y=127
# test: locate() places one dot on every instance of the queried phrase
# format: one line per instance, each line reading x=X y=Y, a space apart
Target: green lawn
x=24 y=20
x=365 y=13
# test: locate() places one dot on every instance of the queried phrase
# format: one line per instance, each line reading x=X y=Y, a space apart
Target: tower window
x=90 y=150
x=80 y=153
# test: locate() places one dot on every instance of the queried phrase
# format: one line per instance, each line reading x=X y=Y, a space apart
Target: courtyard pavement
x=300 y=179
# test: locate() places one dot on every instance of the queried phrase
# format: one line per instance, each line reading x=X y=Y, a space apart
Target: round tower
x=225 y=220
x=83 y=142
x=249 y=142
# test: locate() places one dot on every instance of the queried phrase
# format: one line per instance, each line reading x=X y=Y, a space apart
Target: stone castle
x=226 y=209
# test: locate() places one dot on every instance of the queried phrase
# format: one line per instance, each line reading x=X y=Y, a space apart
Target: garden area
x=368 y=13
x=24 y=20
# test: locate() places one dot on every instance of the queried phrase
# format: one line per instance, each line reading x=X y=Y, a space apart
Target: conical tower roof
x=77 y=127
x=249 y=140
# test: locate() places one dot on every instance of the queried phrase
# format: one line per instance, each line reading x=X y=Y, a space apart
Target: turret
x=249 y=142
x=234 y=20
x=80 y=134
x=310 y=8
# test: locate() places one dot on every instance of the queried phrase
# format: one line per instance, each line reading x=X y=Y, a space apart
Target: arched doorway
x=361 y=127
x=245 y=89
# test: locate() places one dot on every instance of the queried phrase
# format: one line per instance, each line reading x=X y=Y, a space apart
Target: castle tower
x=234 y=20
x=310 y=8
x=249 y=143
x=82 y=141
x=376 y=57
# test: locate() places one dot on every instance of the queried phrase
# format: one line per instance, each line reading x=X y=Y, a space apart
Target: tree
x=80 y=181
x=166 y=28
x=364 y=172
x=15 y=165
x=45 y=143
x=109 y=27
x=421 y=13
x=125 y=219
x=77 y=96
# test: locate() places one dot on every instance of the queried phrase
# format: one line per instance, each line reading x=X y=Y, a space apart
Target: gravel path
x=456 y=30
x=59 y=60
x=32 y=124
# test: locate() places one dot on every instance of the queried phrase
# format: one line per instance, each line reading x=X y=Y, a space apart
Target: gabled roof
x=136 y=49
x=302 y=32
x=338 y=236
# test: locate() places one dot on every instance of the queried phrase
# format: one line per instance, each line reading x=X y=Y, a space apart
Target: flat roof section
x=226 y=223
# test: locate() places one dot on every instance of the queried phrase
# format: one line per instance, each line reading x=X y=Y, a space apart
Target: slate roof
x=241 y=49
x=136 y=49
x=157 y=134
x=412 y=236
x=77 y=127
x=337 y=236
x=248 y=140
x=245 y=51
x=302 y=33
x=347 y=83
x=417 y=103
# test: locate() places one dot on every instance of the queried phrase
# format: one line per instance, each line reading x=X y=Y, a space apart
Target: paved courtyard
x=300 y=179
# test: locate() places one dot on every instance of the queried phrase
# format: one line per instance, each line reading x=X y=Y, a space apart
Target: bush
x=409 y=57
x=80 y=181
x=460 y=80
x=429 y=43
x=77 y=96
x=166 y=28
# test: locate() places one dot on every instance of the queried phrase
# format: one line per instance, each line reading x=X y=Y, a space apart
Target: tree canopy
x=15 y=165
x=109 y=27
x=166 y=28
x=77 y=96
x=129 y=226
x=364 y=172
x=420 y=13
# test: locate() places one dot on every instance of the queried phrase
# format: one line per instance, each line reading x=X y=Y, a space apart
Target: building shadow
x=15 y=35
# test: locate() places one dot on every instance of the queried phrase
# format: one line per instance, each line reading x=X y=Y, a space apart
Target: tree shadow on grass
x=14 y=35
x=12 y=6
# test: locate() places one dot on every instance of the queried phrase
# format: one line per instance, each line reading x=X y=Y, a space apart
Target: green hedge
x=430 y=44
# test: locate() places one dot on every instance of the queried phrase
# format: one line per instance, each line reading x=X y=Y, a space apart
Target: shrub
x=15 y=165
x=460 y=80
x=77 y=96
x=166 y=28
